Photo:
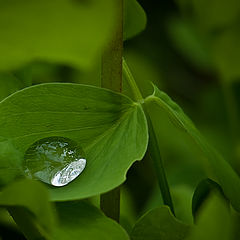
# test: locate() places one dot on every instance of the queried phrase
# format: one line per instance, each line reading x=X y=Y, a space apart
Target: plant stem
x=112 y=56
x=112 y=79
x=131 y=82
x=153 y=146
x=154 y=152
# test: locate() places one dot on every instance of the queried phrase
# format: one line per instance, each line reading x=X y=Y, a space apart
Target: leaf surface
x=62 y=31
x=80 y=220
x=135 y=19
x=111 y=129
x=214 y=221
x=159 y=224
x=205 y=188
x=226 y=176
x=28 y=203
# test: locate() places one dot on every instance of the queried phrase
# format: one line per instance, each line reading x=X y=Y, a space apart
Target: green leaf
x=202 y=192
x=214 y=221
x=111 y=129
x=10 y=159
x=159 y=223
x=135 y=19
x=144 y=71
x=226 y=176
x=182 y=199
x=80 y=220
x=63 y=31
x=28 y=203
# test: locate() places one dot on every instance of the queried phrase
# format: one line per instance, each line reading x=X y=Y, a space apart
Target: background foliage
x=190 y=50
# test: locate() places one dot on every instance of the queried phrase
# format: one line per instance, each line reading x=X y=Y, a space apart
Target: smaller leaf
x=213 y=222
x=80 y=220
x=159 y=223
x=135 y=19
x=226 y=176
x=31 y=196
x=202 y=192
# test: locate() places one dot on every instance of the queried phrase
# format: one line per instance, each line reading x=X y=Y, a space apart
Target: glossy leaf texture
x=135 y=19
x=80 y=220
x=226 y=177
x=62 y=31
x=159 y=223
x=28 y=203
x=110 y=127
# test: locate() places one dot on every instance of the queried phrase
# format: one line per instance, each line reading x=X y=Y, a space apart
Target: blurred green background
x=191 y=50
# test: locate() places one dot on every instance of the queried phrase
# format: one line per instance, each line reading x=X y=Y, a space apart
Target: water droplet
x=54 y=160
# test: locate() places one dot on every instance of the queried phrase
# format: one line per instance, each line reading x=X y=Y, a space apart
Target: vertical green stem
x=112 y=56
x=154 y=152
x=112 y=79
x=153 y=146
x=131 y=82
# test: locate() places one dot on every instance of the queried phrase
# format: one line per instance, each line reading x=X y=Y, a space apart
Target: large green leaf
x=135 y=19
x=226 y=176
x=63 y=31
x=159 y=224
x=80 y=220
x=28 y=203
x=109 y=126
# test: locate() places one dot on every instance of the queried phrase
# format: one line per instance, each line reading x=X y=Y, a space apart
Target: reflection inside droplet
x=54 y=160
x=69 y=173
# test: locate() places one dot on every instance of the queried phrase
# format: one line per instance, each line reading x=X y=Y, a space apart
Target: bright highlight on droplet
x=69 y=173
x=54 y=160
